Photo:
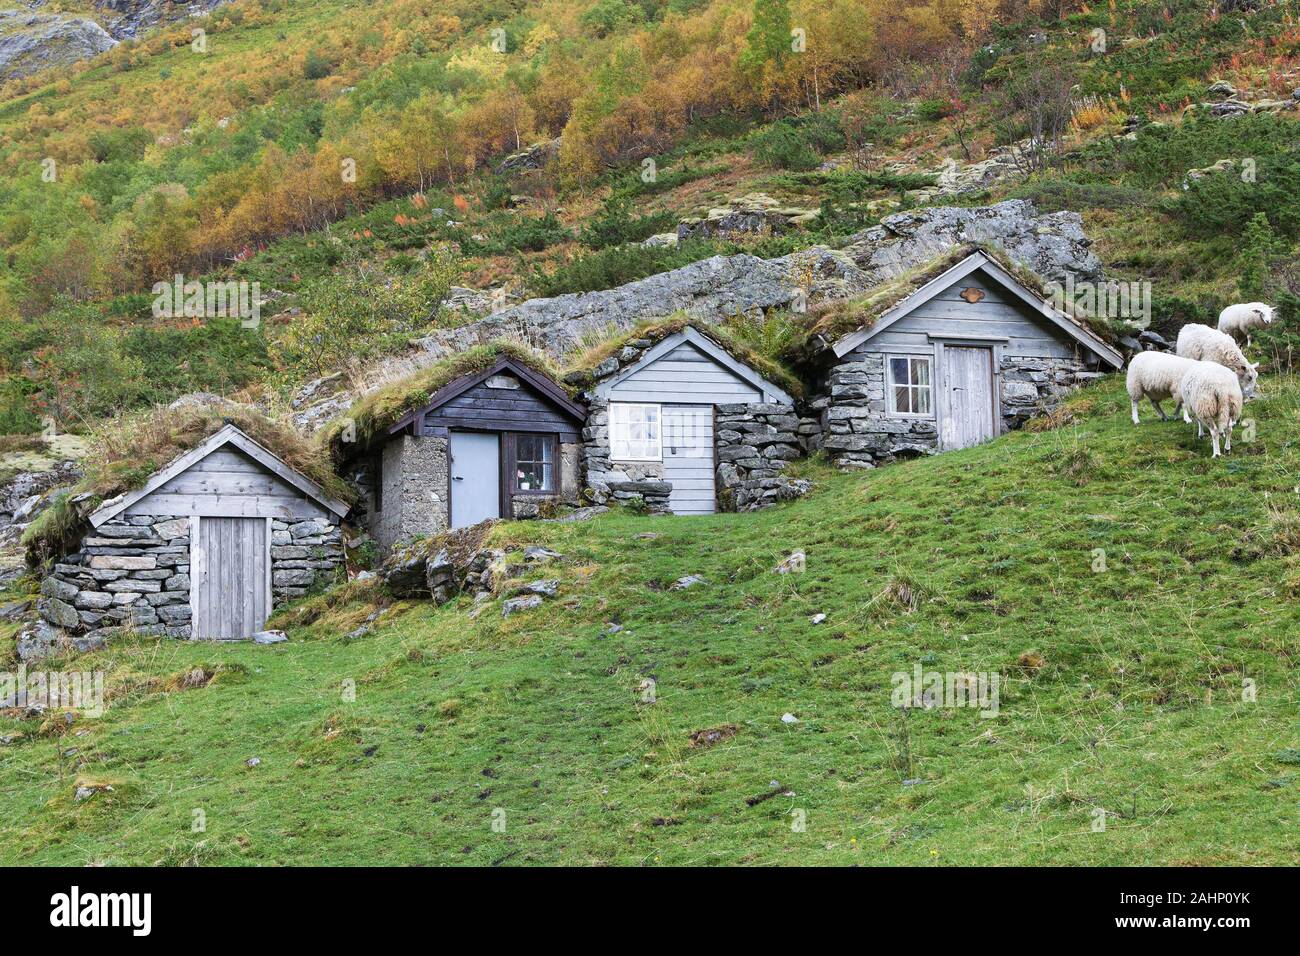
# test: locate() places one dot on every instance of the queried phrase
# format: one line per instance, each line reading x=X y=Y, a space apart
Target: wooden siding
x=522 y=409
x=688 y=458
x=998 y=315
x=685 y=375
x=228 y=483
x=230 y=586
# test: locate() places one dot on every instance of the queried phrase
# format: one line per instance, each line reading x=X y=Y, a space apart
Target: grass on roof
x=375 y=412
x=130 y=449
x=834 y=320
x=581 y=366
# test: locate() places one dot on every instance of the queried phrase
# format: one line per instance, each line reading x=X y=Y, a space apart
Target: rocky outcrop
x=714 y=289
x=532 y=157
x=32 y=41
x=752 y=214
x=1052 y=245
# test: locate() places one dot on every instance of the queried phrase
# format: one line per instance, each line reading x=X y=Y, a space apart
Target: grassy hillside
x=228 y=162
x=1123 y=687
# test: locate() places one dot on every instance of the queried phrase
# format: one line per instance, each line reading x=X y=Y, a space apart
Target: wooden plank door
x=231 y=583
x=688 y=458
x=968 y=381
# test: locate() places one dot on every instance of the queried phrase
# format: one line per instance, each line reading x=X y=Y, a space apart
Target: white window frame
x=891 y=396
x=615 y=426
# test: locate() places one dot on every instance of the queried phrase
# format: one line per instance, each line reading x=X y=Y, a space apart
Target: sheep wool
x=1205 y=344
x=1212 y=396
x=1156 y=376
x=1237 y=320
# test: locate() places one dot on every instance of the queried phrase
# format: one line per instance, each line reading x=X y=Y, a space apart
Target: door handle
x=457 y=478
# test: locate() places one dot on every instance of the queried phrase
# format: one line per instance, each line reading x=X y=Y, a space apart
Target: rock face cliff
x=35 y=38
x=711 y=290
x=31 y=41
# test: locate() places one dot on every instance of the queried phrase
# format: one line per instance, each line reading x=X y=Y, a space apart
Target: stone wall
x=414 y=490
x=754 y=443
x=303 y=555
x=134 y=572
x=858 y=431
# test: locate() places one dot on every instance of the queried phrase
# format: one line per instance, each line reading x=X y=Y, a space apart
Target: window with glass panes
x=909 y=385
x=634 y=433
x=534 y=462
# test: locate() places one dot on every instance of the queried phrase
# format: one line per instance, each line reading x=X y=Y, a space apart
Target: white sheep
x=1212 y=395
x=1237 y=320
x=1156 y=375
x=1205 y=344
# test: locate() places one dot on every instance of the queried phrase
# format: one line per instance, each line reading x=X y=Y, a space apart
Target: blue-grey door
x=475 y=477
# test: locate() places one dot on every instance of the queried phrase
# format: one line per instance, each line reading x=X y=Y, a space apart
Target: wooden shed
x=686 y=415
x=204 y=549
x=967 y=355
x=497 y=443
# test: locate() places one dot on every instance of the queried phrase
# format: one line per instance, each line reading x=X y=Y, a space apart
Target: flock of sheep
x=1208 y=377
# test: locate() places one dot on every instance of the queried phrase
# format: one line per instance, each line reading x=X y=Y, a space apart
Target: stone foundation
x=134 y=572
x=858 y=431
x=623 y=481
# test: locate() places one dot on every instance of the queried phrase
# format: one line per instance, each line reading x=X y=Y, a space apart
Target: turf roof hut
x=947 y=358
x=689 y=421
x=204 y=548
x=486 y=435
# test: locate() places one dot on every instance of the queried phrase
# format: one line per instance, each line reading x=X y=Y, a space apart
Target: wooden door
x=688 y=458
x=231 y=578
x=968 y=381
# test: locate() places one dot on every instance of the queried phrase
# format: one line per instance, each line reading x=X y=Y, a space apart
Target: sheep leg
x=1135 y=412
x=1227 y=445
x=1214 y=440
x=1180 y=407
x=1200 y=433
x=1160 y=411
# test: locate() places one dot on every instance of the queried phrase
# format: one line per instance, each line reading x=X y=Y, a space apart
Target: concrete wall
x=414 y=490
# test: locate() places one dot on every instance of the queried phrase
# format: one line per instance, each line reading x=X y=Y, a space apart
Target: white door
x=968 y=381
x=475 y=477
x=688 y=458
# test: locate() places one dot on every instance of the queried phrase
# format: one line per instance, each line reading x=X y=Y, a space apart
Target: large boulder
x=31 y=42
x=1052 y=245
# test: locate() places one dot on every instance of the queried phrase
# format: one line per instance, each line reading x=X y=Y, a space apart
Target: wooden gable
x=228 y=475
x=508 y=396
x=979 y=300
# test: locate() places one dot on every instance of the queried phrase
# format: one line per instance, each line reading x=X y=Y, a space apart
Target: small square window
x=534 y=463
x=909 y=385
x=634 y=433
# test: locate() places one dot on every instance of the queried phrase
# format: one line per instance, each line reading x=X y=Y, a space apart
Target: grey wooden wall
x=684 y=375
x=228 y=483
x=998 y=314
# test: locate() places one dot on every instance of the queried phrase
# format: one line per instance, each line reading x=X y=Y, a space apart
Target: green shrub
x=618 y=265
x=616 y=224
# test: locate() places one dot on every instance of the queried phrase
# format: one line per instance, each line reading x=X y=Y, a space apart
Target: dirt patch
x=713 y=735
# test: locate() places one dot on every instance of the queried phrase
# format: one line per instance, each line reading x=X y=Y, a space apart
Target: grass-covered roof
x=582 y=366
x=129 y=450
x=831 y=321
x=374 y=413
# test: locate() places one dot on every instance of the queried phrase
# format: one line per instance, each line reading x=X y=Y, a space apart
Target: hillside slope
x=1122 y=694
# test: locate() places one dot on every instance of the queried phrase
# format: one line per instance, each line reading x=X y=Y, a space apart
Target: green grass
x=1136 y=708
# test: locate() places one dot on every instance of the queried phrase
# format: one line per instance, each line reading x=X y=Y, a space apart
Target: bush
x=616 y=225
x=618 y=265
